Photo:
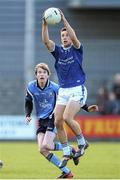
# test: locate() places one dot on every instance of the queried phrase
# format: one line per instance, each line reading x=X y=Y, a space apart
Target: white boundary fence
x=15 y=128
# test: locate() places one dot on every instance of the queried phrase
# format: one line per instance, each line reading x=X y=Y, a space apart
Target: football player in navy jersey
x=44 y=92
x=72 y=94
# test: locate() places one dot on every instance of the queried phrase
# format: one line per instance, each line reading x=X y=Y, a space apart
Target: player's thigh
x=40 y=138
x=72 y=108
x=48 y=140
x=59 y=110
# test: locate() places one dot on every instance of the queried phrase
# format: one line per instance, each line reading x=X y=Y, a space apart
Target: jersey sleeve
x=56 y=88
x=80 y=49
x=55 y=52
x=29 y=90
x=28 y=104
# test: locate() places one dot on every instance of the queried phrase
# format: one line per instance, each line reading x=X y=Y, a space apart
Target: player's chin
x=66 y=45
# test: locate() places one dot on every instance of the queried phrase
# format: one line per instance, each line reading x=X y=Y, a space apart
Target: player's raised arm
x=70 y=31
x=45 y=36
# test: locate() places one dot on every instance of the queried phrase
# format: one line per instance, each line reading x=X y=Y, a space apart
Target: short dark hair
x=63 y=29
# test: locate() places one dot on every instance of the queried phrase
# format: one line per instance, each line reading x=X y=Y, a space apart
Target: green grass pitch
x=23 y=161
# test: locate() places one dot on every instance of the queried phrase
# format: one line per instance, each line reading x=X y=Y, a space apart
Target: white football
x=1 y=164
x=52 y=16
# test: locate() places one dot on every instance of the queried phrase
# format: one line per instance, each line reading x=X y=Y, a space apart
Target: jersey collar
x=46 y=85
x=66 y=47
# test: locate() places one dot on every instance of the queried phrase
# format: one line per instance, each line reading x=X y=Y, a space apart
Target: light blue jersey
x=68 y=66
x=44 y=99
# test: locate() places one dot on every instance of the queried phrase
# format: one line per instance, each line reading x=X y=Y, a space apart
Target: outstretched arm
x=45 y=36
x=70 y=31
x=91 y=108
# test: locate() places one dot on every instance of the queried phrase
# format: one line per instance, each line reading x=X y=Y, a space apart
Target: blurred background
x=97 y=25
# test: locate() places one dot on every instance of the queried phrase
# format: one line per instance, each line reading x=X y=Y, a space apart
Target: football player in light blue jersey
x=44 y=92
x=72 y=93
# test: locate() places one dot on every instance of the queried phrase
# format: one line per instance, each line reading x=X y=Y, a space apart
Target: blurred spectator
x=116 y=93
x=104 y=103
x=116 y=86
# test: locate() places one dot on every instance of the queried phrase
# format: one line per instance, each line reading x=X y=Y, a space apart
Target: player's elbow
x=46 y=42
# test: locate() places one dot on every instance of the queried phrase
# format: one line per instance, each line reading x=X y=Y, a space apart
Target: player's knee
x=70 y=122
x=41 y=150
x=59 y=123
x=66 y=118
x=46 y=147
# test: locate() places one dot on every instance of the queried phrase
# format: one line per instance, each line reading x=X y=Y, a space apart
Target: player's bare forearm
x=45 y=36
x=70 y=31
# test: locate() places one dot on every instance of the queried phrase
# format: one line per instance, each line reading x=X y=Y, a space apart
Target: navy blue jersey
x=68 y=66
x=44 y=99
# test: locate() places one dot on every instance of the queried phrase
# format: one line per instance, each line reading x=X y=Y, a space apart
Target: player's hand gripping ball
x=52 y=16
x=1 y=164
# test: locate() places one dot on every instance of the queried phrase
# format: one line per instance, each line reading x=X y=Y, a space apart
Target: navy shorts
x=46 y=125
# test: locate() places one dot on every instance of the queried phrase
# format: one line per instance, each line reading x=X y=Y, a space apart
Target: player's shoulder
x=32 y=84
x=54 y=85
x=78 y=48
x=57 y=47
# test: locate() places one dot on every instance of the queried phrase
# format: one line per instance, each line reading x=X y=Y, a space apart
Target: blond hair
x=43 y=66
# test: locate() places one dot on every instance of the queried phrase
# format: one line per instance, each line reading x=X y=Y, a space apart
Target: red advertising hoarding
x=95 y=127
